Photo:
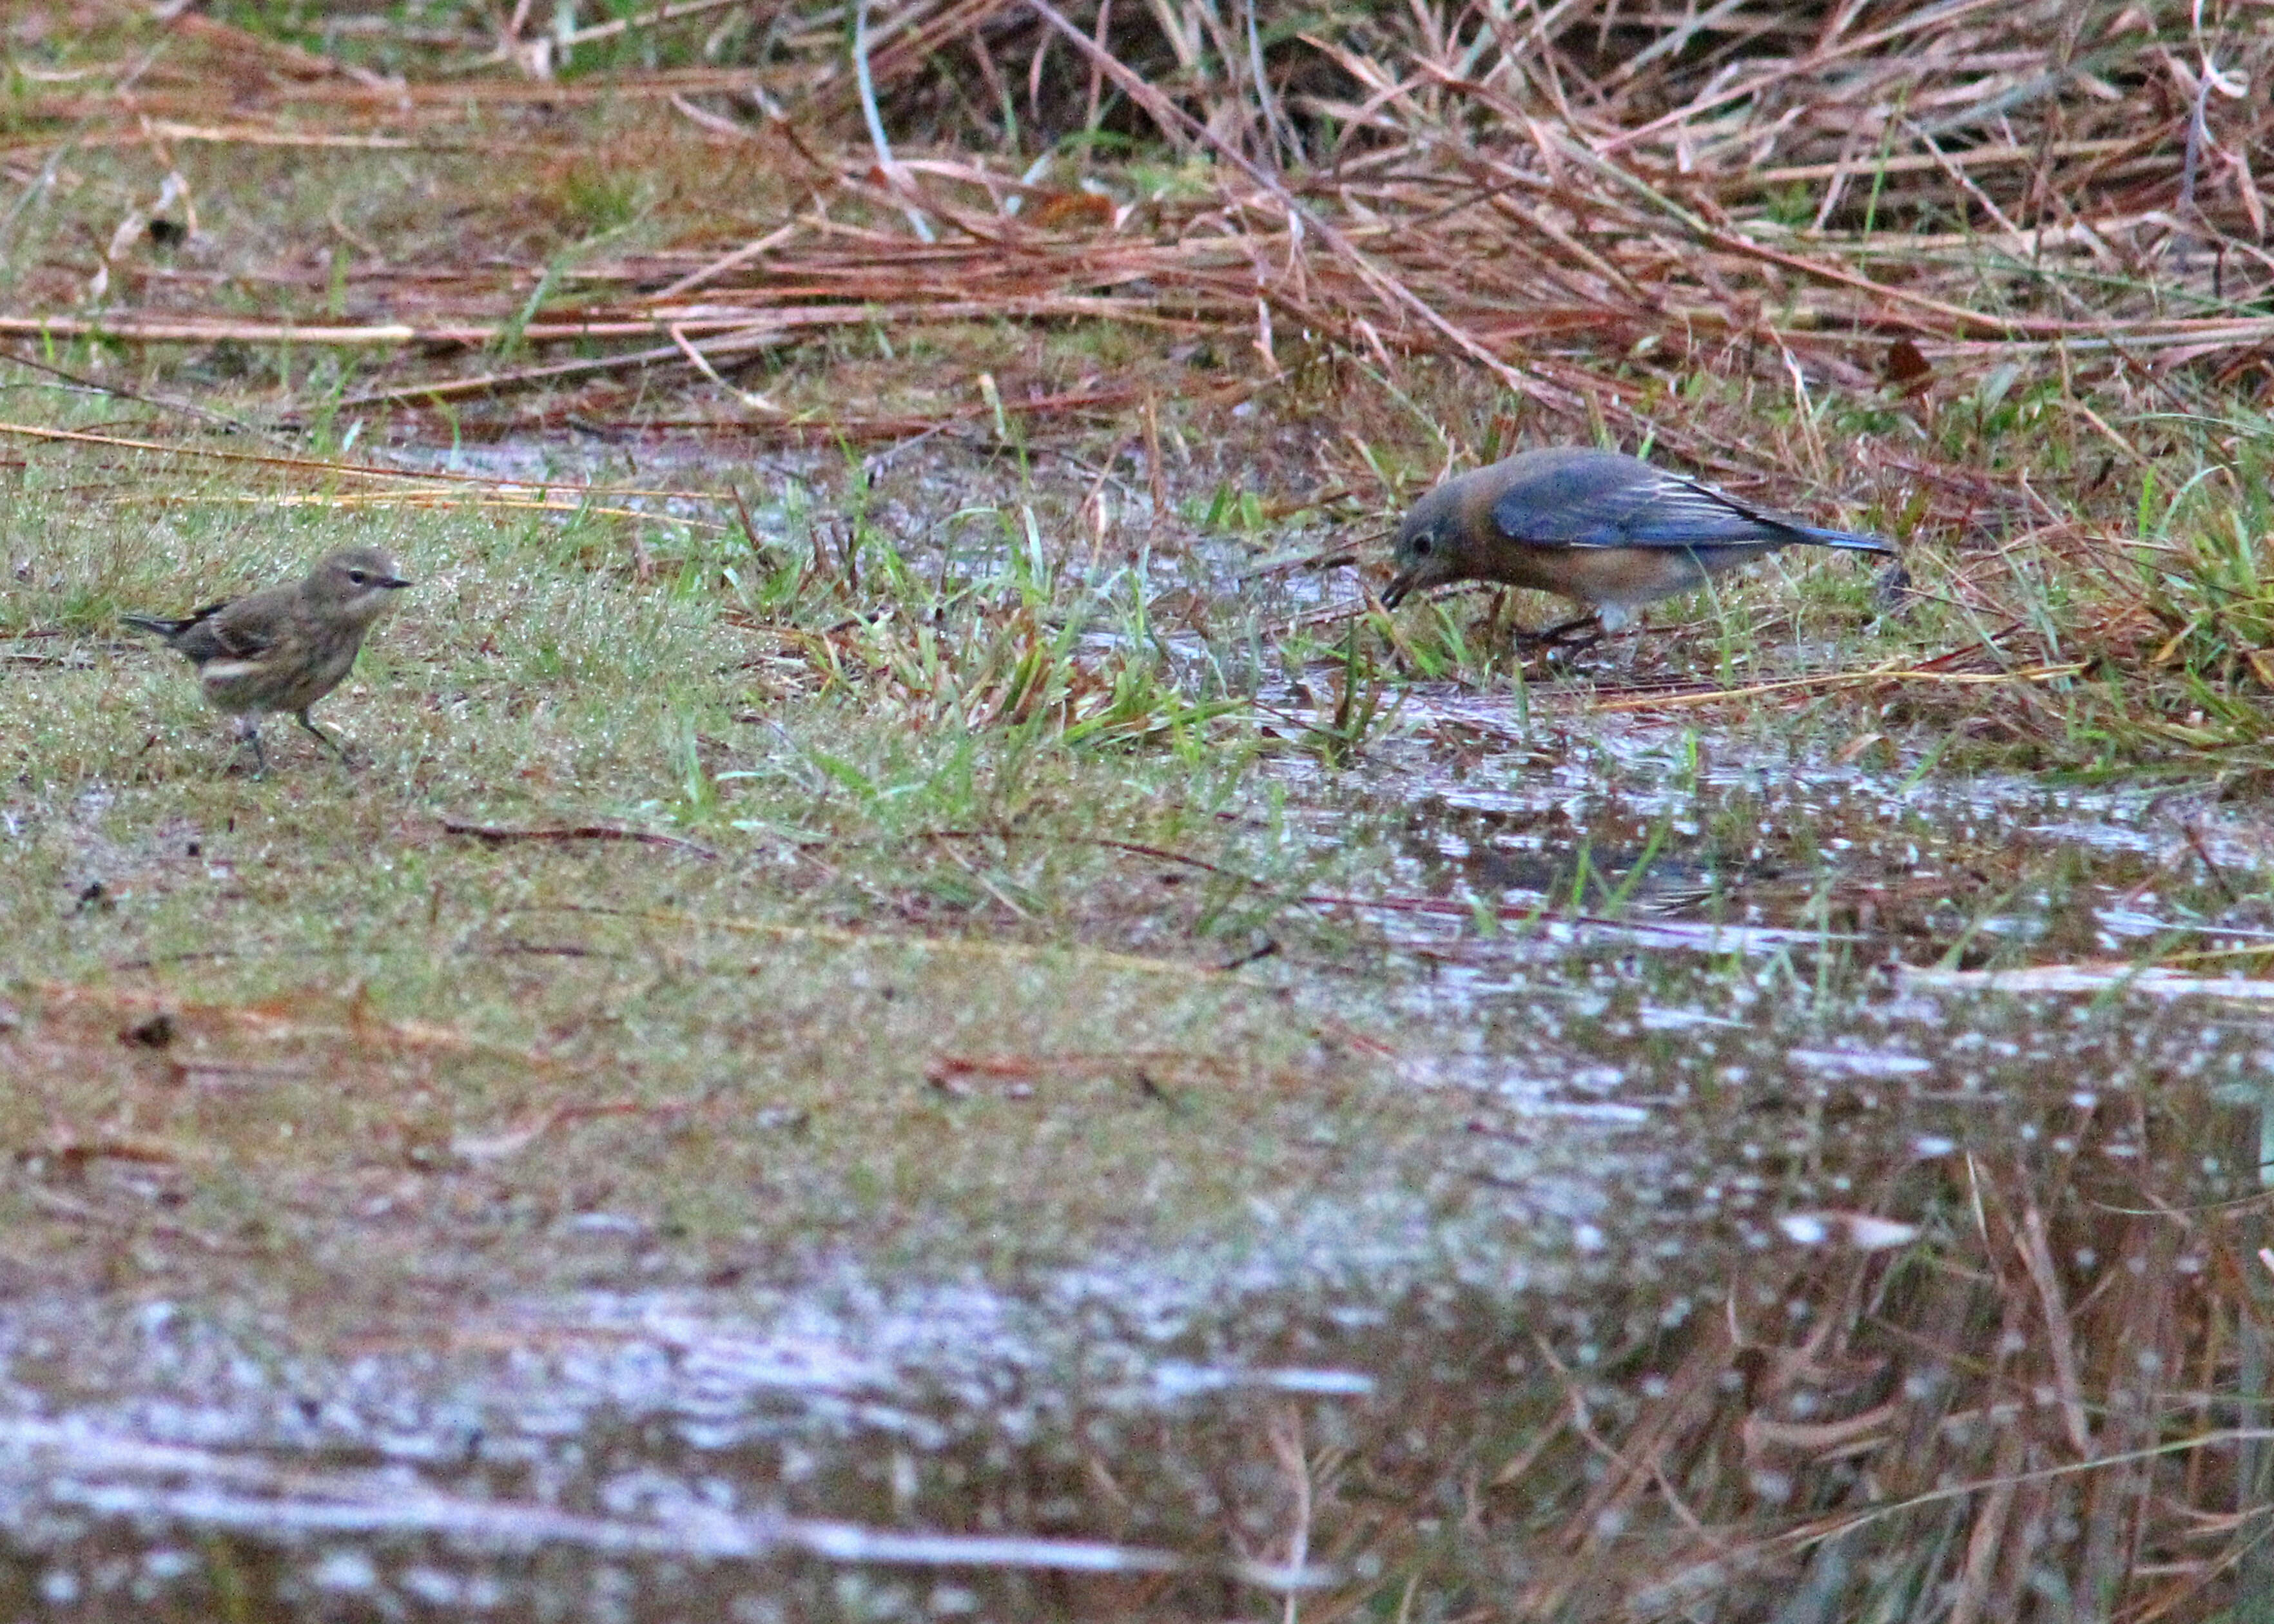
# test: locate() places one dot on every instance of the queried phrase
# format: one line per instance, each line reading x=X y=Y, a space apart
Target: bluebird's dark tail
x=1849 y=540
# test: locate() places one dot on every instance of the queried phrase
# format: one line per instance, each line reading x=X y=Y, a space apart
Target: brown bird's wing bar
x=211 y=635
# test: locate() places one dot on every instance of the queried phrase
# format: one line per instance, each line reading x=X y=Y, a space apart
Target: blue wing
x=1594 y=499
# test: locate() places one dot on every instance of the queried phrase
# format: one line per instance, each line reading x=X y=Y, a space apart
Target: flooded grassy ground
x=1219 y=1141
x=935 y=1015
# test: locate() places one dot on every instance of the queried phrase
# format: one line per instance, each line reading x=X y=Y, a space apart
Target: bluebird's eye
x=357 y=577
x=1421 y=544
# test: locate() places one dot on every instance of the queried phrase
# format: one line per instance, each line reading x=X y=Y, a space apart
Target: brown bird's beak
x=393 y=584
x=1394 y=593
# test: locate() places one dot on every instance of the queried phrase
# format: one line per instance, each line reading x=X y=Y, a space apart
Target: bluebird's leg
x=1567 y=634
x=1892 y=591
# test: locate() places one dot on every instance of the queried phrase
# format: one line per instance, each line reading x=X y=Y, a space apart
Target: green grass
x=911 y=719
x=904 y=778
x=919 y=781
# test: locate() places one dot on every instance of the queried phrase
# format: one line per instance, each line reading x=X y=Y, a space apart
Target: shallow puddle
x=1714 y=1034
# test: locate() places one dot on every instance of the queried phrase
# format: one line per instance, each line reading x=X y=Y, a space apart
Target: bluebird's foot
x=1573 y=636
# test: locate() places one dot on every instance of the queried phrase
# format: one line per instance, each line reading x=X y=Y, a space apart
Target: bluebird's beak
x=393 y=584
x=1394 y=593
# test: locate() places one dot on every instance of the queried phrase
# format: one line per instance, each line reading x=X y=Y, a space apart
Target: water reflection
x=1822 y=1200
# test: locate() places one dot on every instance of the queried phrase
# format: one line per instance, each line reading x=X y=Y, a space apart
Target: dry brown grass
x=1522 y=190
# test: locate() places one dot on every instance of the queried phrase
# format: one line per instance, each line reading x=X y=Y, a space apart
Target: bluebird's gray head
x=1431 y=544
x=355 y=584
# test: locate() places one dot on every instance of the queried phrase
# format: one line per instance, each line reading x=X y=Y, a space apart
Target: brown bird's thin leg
x=248 y=732
x=321 y=737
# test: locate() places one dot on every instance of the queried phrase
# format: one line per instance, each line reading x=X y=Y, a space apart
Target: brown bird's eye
x=357 y=577
x=1421 y=545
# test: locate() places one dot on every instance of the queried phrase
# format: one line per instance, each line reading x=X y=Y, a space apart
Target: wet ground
x=1692 y=1013
x=1632 y=1065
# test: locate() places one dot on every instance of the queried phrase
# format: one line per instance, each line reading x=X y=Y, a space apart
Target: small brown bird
x=285 y=647
x=1609 y=531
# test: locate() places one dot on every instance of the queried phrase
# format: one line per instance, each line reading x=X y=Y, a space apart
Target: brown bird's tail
x=159 y=628
x=170 y=629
